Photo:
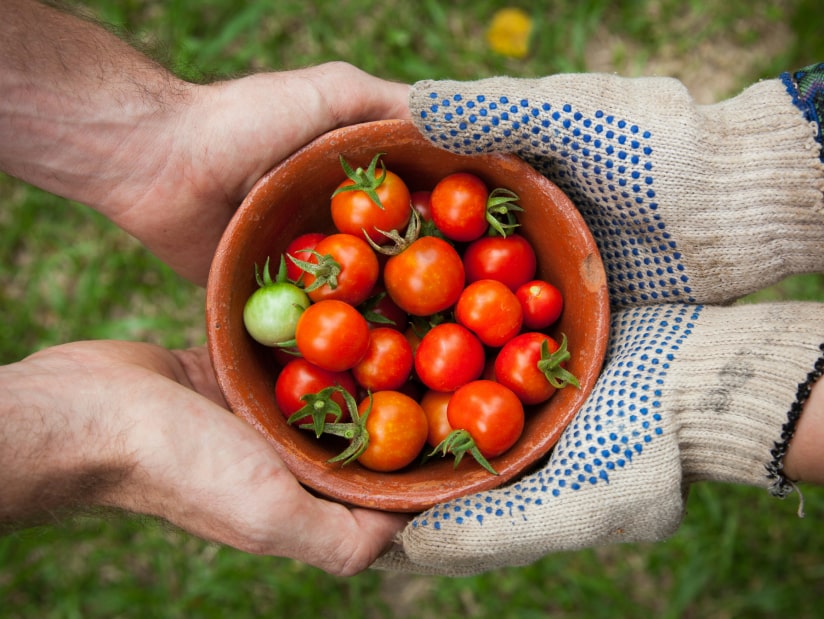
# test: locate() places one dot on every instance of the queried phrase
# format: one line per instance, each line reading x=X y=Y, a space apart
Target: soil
x=715 y=67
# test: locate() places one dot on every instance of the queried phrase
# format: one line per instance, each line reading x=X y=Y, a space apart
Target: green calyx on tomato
x=324 y=272
x=500 y=212
x=551 y=365
x=364 y=180
x=399 y=243
x=271 y=312
x=354 y=431
x=318 y=406
x=458 y=443
x=371 y=310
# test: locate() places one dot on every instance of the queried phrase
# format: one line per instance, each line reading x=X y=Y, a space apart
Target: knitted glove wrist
x=687 y=203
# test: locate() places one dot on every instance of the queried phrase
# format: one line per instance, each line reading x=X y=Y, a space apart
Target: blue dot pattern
x=622 y=418
x=603 y=162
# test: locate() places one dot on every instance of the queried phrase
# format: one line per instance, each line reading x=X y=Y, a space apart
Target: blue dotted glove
x=689 y=205
x=688 y=393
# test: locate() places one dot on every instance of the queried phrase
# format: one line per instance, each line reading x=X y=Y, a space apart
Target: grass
x=68 y=274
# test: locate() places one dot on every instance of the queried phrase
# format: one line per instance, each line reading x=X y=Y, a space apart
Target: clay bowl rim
x=239 y=362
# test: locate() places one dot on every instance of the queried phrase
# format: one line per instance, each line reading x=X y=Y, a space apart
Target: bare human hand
x=140 y=428
x=87 y=117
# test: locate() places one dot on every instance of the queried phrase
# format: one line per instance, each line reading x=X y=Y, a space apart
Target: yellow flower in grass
x=508 y=33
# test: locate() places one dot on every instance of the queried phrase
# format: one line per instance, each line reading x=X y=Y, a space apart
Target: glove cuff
x=741 y=385
x=806 y=87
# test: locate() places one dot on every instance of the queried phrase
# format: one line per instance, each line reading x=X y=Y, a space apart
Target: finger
x=344 y=541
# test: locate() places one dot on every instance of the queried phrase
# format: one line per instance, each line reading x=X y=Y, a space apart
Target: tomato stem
x=325 y=271
x=318 y=406
x=399 y=243
x=355 y=431
x=458 y=443
x=551 y=365
x=500 y=212
x=364 y=180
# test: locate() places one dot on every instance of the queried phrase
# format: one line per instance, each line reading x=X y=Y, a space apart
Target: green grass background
x=67 y=274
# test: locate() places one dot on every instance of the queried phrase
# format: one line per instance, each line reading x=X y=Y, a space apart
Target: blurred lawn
x=67 y=274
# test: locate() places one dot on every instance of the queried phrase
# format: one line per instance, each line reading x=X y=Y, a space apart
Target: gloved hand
x=689 y=205
x=688 y=393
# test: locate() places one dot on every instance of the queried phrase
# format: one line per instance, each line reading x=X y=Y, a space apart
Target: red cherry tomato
x=397 y=430
x=449 y=356
x=491 y=311
x=353 y=269
x=332 y=334
x=301 y=248
x=422 y=204
x=518 y=367
x=491 y=413
x=355 y=212
x=300 y=377
x=387 y=363
x=459 y=206
x=381 y=311
x=434 y=405
x=510 y=260
x=541 y=302
x=425 y=278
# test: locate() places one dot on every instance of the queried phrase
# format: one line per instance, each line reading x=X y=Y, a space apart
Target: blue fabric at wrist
x=806 y=86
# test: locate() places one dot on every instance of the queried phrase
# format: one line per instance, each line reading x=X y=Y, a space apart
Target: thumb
x=351 y=95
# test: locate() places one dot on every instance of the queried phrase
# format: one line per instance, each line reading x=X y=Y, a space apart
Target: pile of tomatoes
x=409 y=327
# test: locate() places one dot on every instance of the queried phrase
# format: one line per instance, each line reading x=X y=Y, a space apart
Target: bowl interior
x=293 y=198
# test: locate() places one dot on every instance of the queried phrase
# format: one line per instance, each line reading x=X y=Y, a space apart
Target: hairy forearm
x=53 y=458
x=81 y=109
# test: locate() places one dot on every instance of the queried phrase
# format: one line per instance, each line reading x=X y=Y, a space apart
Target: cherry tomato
x=271 y=312
x=527 y=366
x=283 y=355
x=397 y=430
x=301 y=248
x=381 y=311
x=541 y=302
x=355 y=211
x=510 y=260
x=387 y=363
x=449 y=356
x=491 y=413
x=347 y=269
x=332 y=334
x=425 y=278
x=459 y=206
x=491 y=311
x=299 y=378
x=413 y=336
x=434 y=404
x=422 y=204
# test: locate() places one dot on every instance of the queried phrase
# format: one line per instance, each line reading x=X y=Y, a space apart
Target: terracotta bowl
x=293 y=198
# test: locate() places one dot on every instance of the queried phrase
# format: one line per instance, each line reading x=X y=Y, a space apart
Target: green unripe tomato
x=272 y=311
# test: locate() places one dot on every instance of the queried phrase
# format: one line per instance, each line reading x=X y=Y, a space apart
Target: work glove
x=691 y=206
x=688 y=203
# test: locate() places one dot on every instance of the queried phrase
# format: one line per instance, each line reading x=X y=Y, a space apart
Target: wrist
x=84 y=114
x=56 y=455
x=739 y=388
